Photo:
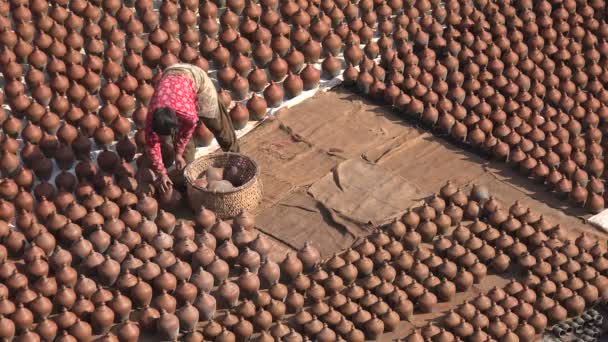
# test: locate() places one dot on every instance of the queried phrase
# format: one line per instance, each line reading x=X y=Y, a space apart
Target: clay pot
x=102 y=319
x=228 y=293
x=147 y=206
x=293 y=85
x=309 y=256
x=168 y=325
x=295 y=60
x=311 y=50
x=331 y=67
x=239 y=116
x=273 y=94
x=262 y=54
x=278 y=68
x=426 y=301
x=310 y=76
x=188 y=316
x=574 y=304
x=128 y=331
x=257 y=107
x=146 y=317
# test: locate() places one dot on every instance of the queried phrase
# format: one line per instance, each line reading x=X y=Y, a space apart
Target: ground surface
x=302 y=145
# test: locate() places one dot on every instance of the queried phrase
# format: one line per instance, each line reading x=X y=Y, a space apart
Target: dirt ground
x=301 y=145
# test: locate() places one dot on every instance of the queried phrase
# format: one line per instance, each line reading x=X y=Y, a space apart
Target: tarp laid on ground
x=339 y=208
x=300 y=218
x=300 y=149
x=364 y=192
x=600 y=220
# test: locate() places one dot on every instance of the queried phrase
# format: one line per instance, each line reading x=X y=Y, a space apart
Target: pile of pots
x=560 y=278
x=120 y=270
x=81 y=225
x=107 y=261
x=518 y=82
x=587 y=326
x=89 y=248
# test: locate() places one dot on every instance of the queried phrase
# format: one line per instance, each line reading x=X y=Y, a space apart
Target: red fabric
x=175 y=91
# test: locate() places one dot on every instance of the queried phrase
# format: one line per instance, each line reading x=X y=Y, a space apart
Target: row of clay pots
x=377 y=237
x=110 y=111
x=112 y=35
x=291 y=267
x=542 y=253
x=303 y=255
x=288 y=264
x=580 y=192
x=371 y=279
x=579 y=196
x=351 y=264
x=538 y=290
x=135 y=286
x=515 y=307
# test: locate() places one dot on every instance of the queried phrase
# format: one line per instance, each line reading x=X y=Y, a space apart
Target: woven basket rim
x=216 y=156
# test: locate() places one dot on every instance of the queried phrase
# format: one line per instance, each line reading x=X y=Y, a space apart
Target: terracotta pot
x=310 y=76
x=239 y=116
x=293 y=85
x=274 y=95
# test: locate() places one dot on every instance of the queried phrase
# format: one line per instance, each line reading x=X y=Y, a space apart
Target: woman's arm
x=186 y=130
x=153 y=148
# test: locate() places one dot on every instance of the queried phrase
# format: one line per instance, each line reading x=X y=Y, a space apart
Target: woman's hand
x=164 y=183
x=180 y=162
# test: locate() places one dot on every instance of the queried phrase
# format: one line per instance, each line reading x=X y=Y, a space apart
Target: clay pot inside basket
x=238 y=170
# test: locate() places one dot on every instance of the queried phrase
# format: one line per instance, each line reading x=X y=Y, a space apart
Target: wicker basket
x=229 y=203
